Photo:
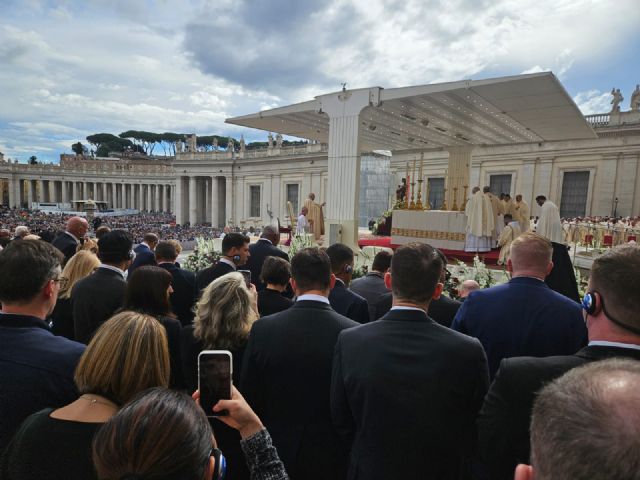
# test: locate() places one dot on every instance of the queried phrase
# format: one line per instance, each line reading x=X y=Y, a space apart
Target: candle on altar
x=408 y=190
x=414 y=169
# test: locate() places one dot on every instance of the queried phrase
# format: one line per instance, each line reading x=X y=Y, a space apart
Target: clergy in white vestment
x=549 y=224
x=508 y=205
x=496 y=205
x=314 y=216
x=479 y=223
x=522 y=213
x=302 y=225
x=510 y=232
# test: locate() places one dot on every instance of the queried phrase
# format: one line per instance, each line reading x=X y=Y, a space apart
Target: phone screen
x=247 y=277
x=214 y=379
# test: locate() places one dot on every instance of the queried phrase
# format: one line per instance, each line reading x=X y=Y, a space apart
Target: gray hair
x=223 y=314
x=21 y=231
x=586 y=424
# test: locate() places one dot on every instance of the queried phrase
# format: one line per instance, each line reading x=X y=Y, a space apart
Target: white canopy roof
x=499 y=111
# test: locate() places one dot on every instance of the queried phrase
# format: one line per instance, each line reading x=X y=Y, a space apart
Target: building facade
x=599 y=176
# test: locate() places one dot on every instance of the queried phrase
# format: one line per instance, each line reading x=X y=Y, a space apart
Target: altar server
x=510 y=232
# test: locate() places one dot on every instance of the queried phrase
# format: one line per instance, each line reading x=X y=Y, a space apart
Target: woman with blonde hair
x=127 y=355
x=224 y=316
x=90 y=245
x=81 y=265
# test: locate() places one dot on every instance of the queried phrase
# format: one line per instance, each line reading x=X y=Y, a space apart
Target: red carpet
x=489 y=258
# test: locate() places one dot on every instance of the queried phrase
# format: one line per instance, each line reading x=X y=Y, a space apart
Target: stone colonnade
x=204 y=199
x=18 y=191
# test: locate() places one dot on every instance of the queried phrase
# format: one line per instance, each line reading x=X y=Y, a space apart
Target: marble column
x=30 y=188
x=13 y=198
x=177 y=205
x=207 y=199
x=149 y=198
x=215 y=203
x=156 y=206
x=193 y=200
x=228 y=201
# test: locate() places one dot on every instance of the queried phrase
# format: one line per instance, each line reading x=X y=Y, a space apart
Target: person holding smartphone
x=224 y=316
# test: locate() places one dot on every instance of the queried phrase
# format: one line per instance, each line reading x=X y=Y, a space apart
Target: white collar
x=400 y=307
x=603 y=343
x=265 y=240
x=313 y=297
x=228 y=262
x=112 y=268
x=72 y=236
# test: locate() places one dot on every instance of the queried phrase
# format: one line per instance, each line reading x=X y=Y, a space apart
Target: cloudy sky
x=72 y=68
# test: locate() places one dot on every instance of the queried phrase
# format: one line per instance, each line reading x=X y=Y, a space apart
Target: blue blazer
x=348 y=303
x=523 y=317
x=144 y=256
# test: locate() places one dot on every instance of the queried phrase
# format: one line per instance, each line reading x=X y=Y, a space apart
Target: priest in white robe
x=480 y=223
x=522 y=213
x=510 y=232
x=549 y=224
x=496 y=205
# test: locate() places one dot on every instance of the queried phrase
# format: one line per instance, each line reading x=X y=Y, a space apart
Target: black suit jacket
x=405 y=393
x=66 y=244
x=185 y=293
x=503 y=423
x=258 y=252
x=209 y=274
x=144 y=256
x=286 y=377
x=371 y=287
x=272 y=301
x=349 y=304
x=442 y=310
x=94 y=299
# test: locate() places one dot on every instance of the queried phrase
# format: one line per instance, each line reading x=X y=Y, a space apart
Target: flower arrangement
x=203 y=256
x=459 y=272
x=299 y=242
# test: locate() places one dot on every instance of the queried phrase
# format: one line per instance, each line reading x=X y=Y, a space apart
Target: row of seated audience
x=339 y=393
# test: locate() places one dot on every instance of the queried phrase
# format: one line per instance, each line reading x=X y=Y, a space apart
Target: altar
x=438 y=228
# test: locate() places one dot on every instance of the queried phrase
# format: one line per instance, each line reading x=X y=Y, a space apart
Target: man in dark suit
x=235 y=253
x=185 y=294
x=266 y=246
x=287 y=373
x=584 y=425
x=276 y=273
x=405 y=391
x=145 y=252
x=614 y=331
x=67 y=242
x=371 y=287
x=523 y=316
x=36 y=367
x=442 y=310
x=343 y=300
x=95 y=298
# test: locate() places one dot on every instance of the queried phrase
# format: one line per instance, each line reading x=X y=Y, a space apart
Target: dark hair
x=26 y=267
x=102 y=231
x=160 y=435
x=275 y=270
x=486 y=189
x=585 y=424
x=115 y=246
x=540 y=197
x=233 y=240
x=416 y=269
x=339 y=254
x=150 y=237
x=508 y=215
x=616 y=276
x=146 y=291
x=166 y=251
x=382 y=261
x=311 y=269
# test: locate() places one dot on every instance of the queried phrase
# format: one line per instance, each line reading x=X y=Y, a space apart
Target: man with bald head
x=67 y=242
x=523 y=316
x=467 y=287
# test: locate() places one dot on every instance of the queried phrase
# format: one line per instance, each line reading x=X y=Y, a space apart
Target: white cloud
x=593 y=101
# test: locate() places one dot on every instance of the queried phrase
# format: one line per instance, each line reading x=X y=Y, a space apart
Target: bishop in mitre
x=522 y=213
x=480 y=222
x=510 y=232
x=315 y=216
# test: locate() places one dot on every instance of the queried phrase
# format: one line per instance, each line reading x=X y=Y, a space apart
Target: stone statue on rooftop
x=230 y=145
x=215 y=143
x=191 y=143
x=243 y=146
x=270 y=140
x=179 y=146
x=616 y=100
x=635 y=99
x=278 y=141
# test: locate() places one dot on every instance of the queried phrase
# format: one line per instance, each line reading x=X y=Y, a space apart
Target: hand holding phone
x=247 y=277
x=214 y=379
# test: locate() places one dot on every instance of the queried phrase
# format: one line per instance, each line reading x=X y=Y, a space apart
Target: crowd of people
x=376 y=378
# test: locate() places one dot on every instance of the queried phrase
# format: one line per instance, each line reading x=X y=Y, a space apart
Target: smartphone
x=247 y=277
x=214 y=379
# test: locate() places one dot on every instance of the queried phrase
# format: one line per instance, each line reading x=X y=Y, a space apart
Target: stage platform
x=489 y=258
